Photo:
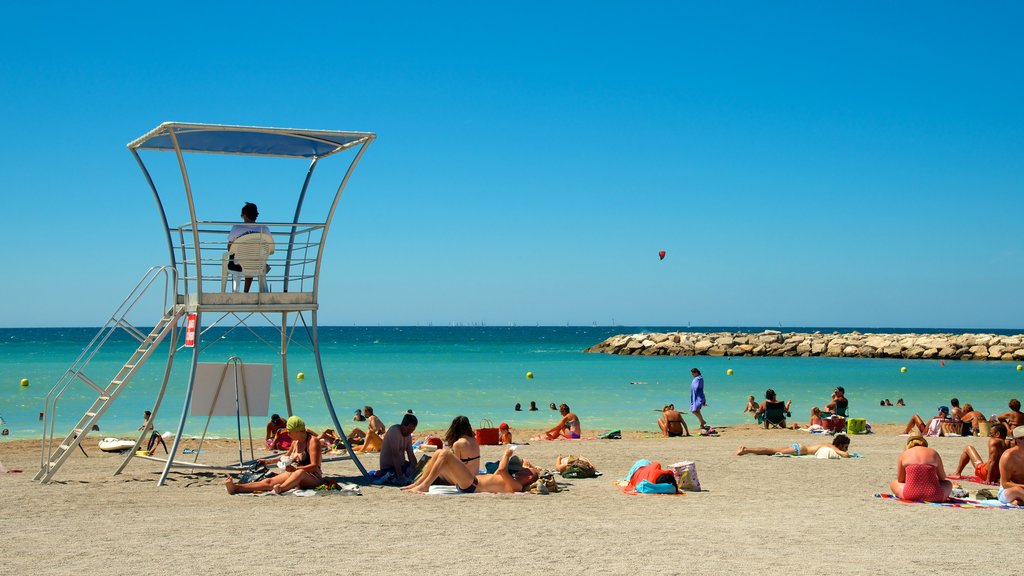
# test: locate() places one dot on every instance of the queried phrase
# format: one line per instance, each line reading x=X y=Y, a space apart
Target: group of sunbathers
x=965 y=421
x=774 y=412
x=920 y=475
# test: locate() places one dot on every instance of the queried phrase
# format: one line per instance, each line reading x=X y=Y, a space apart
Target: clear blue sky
x=802 y=163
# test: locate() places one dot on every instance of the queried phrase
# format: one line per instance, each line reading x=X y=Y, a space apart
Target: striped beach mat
x=954 y=503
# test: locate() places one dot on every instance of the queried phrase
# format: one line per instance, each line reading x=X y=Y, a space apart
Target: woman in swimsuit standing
x=303 y=470
x=919 y=474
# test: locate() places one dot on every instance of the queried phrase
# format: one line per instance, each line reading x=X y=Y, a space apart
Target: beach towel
x=954 y=503
x=815 y=456
x=633 y=485
x=974 y=479
x=611 y=435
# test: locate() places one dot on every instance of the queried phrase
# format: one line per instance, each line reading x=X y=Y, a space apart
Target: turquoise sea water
x=440 y=372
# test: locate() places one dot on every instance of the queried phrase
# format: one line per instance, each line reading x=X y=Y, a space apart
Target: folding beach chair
x=775 y=415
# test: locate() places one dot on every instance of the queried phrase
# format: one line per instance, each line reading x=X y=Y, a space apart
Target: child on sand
x=504 y=434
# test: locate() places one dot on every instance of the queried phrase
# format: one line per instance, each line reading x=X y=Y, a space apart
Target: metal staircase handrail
x=76 y=371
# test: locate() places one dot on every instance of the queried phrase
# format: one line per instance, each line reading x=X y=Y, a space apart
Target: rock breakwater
x=835 y=344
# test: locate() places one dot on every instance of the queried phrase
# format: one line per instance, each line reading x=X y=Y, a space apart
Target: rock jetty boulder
x=848 y=345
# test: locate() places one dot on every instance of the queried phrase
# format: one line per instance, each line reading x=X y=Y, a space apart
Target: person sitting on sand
x=276 y=423
x=511 y=476
x=462 y=442
x=672 y=423
x=396 y=454
x=504 y=434
x=302 y=469
x=840 y=444
x=751 y=405
x=839 y=405
x=933 y=427
x=568 y=427
x=155 y=436
x=919 y=474
x=1013 y=418
x=460 y=438
x=955 y=411
x=1011 y=471
x=771 y=403
x=986 y=470
x=972 y=419
x=374 y=432
x=816 y=419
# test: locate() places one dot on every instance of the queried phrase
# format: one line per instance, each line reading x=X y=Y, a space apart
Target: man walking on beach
x=396 y=454
x=1011 y=470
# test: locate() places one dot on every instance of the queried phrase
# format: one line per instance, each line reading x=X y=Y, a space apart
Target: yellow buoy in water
x=529 y=375
x=24 y=382
x=1019 y=367
x=903 y=369
x=300 y=376
x=729 y=372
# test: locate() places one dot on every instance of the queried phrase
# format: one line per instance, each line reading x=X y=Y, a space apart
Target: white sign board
x=214 y=392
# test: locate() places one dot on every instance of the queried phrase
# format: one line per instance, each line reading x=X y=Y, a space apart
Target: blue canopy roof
x=249 y=140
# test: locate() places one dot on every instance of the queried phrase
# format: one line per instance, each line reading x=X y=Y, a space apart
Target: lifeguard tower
x=201 y=286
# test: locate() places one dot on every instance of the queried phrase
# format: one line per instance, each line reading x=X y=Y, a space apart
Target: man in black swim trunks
x=672 y=423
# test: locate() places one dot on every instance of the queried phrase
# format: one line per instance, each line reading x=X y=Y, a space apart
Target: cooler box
x=856 y=426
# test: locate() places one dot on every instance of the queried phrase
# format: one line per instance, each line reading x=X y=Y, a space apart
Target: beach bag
x=952 y=428
x=834 y=424
x=282 y=440
x=487 y=434
x=686 y=476
x=253 y=473
x=579 y=467
x=856 y=426
x=984 y=428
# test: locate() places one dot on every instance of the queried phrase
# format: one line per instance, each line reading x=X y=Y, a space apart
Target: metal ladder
x=53 y=455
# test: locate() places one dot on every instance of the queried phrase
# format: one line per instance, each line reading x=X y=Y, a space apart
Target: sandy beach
x=770 y=514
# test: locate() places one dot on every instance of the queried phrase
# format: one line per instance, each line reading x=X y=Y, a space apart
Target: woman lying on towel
x=840 y=444
x=512 y=475
x=919 y=474
x=568 y=427
x=303 y=464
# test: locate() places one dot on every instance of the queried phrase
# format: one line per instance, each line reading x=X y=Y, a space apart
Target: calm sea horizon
x=480 y=371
